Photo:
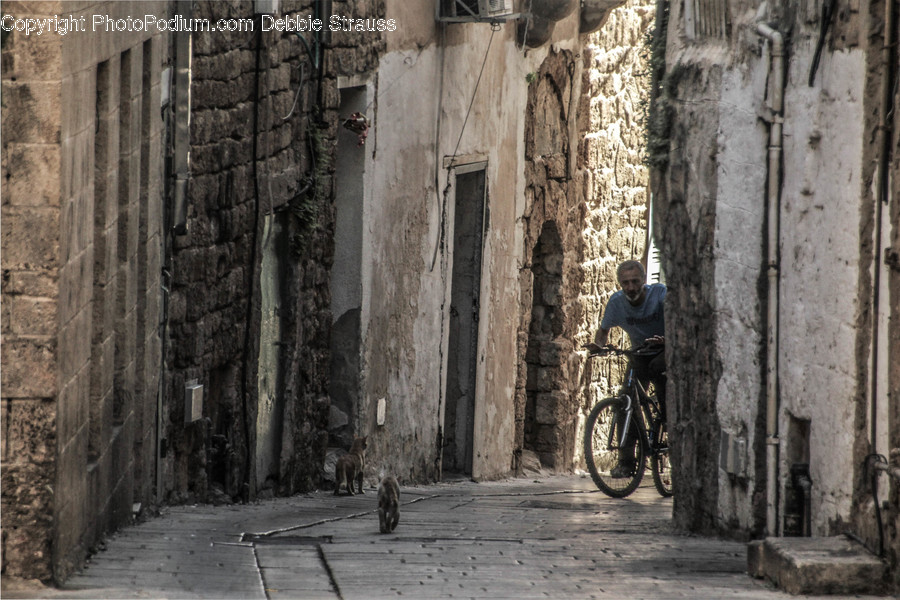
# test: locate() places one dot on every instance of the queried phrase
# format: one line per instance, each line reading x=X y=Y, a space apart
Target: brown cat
x=388 y=504
x=350 y=467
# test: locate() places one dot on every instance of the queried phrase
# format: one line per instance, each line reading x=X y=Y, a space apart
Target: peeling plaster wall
x=818 y=275
x=821 y=241
x=739 y=261
x=826 y=223
x=407 y=253
x=407 y=245
x=400 y=360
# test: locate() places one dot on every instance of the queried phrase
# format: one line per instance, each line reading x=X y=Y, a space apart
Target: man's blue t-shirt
x=639 y=322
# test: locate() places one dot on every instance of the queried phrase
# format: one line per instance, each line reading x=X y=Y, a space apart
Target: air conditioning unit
x=468 y=11
x=494 y=7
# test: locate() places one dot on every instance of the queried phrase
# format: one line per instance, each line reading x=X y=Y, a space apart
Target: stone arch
x=546 y=416
x=546 y=387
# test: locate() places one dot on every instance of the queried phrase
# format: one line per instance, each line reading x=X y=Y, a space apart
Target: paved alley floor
x=551 y=537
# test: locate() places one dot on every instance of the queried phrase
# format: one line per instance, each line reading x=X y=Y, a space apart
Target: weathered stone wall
x=713 y=226
x=892 y=530
x=892 y=540
x=411 y=195
x=616 y=191
x=554 y=212
x=687 y=225
x=352 y=55
x=31 y=304
x=888 y=414
x=263 y=123
x=82 y=161
x=585 y=211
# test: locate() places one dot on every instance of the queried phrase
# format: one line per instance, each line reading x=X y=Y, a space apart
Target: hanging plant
x=304 y=206
x=358 y=124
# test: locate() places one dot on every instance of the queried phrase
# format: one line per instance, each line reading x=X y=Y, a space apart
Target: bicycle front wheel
x=605 y=455
x=660 y=465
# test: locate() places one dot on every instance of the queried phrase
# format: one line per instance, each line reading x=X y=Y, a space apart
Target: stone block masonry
x=545 y=415
x=616 y=179
x=30 y=247
x=249 y=306
x=586 y=211
x=81 y=220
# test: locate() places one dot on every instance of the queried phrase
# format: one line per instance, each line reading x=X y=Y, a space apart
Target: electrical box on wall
x=380 y=409
x=733 y=454
x=165 y=86
x=193 y=402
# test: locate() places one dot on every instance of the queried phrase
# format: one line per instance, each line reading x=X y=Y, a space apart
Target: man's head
x=632 y=277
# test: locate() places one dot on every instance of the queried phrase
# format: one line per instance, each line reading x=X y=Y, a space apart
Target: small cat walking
x=388 y=504
x=350 y=467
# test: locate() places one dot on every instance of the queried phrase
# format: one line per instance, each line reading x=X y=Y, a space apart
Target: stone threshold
x=817 y=565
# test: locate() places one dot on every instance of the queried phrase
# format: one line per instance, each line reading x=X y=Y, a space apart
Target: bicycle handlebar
x=609 y=349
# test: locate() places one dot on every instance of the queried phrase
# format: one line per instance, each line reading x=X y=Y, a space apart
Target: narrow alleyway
x=551 y=537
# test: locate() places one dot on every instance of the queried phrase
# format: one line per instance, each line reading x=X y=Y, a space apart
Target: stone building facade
x=167 y=236
x=249 y=309
x=777 y=211
x=585 y=211
x=470 y=269
x=226 y=253
x=83 y=147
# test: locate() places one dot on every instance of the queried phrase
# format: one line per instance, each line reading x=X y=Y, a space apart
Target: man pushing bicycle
x=638 y=309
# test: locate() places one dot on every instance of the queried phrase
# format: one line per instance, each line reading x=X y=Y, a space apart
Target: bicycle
x=618 y=414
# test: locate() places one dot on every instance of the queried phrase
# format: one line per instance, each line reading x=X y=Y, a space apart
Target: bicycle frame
x=633 y=385
x=633 y=390
x=633 y=411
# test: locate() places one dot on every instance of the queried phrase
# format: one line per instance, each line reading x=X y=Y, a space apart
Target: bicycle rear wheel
x=602 y=449
x=660 y=465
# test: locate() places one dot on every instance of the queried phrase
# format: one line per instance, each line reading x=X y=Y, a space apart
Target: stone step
x=817 y=565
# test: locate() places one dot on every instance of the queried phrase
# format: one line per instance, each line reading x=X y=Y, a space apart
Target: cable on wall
x=439 y=243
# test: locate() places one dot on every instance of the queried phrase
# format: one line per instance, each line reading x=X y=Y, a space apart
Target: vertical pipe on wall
x=182 y=143
x=882 y=196
x=773 y=194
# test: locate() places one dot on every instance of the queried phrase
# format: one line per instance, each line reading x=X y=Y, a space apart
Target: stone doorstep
x=814 y=565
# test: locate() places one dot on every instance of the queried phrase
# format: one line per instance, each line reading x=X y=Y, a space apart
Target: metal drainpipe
x=882 y=195
x=776 y=105
x=182 y=142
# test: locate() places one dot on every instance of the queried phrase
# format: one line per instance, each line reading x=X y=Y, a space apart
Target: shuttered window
x=707 y=19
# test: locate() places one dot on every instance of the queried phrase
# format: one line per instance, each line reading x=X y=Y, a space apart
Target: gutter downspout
x=882 y=198
x=773 y=192
x=182 y=142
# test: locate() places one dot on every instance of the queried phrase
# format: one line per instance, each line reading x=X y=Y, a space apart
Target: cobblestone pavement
x=551 y=537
